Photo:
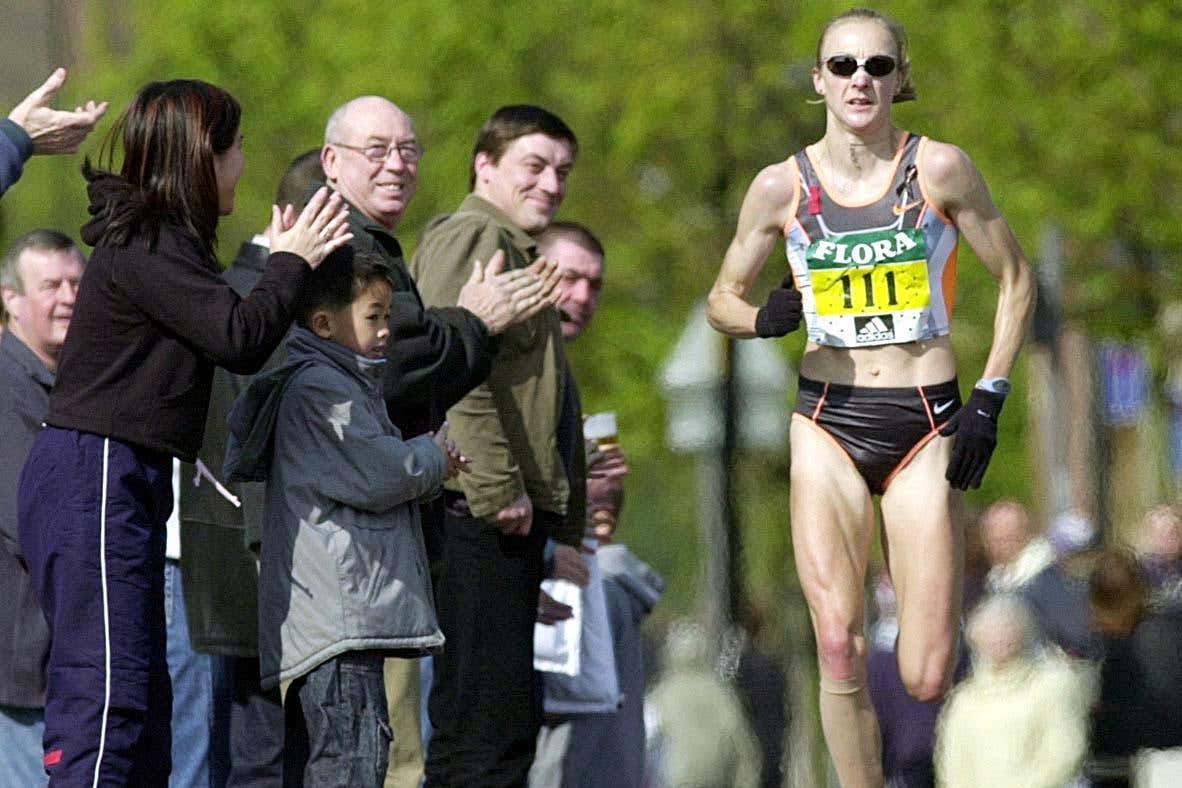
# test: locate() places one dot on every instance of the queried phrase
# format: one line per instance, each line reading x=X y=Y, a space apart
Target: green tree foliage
x=1070 y=110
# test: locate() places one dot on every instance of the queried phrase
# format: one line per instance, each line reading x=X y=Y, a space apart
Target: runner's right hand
x=782 y=312
x=320 y=229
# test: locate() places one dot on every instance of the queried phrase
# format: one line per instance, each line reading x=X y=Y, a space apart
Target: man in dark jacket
x=437 y=354
x=39 y=281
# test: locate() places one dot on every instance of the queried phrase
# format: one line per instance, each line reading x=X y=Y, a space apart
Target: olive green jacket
x=508 y=425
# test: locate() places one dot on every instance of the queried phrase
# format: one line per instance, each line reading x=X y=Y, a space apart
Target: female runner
x=871 y=215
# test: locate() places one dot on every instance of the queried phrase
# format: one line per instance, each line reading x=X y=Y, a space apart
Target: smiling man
x=39 y=281
x=485 y=704
x=371 y=155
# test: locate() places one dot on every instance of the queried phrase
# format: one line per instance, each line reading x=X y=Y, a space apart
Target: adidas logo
x=875 y=328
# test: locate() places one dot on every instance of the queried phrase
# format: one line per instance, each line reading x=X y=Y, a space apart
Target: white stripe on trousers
x=106 y=614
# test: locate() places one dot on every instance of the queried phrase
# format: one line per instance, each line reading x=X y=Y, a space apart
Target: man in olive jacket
x=437 y=353
x=484 y=705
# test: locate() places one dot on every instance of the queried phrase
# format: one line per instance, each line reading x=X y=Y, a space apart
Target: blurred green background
x=1072 y=110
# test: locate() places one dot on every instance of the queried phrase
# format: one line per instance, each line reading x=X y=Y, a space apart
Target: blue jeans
x=192 y=691
x=20 y=747
x=338 y=726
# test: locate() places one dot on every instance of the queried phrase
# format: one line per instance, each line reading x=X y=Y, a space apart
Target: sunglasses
x=847 y=65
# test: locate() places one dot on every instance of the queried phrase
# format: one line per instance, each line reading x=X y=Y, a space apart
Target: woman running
x=871 y=215
x=152 y=318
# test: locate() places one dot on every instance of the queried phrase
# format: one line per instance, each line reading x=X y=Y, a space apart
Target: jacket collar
x=524 y=242
x=304 y=345
x=23 y=355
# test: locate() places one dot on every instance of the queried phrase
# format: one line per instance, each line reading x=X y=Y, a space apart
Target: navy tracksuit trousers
x=92 y=528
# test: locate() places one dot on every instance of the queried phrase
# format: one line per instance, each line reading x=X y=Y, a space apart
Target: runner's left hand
x=975 y=429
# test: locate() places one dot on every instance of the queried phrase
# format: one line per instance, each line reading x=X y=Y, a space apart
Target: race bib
x=870 y=288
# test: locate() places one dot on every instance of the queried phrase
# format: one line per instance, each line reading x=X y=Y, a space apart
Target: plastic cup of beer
x=601 y=428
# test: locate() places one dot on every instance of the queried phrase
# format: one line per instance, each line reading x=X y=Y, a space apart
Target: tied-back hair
x=902 y=49
x=168 y=136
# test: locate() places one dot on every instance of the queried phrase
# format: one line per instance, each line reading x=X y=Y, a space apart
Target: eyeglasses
x=409 y=152
x=848 y=65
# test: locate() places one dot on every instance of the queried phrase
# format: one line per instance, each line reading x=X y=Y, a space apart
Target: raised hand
x=53 y=130
x=501 y=298
x=320 y=229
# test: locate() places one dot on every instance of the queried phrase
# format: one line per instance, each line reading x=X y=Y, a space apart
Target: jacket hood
x=251 y=423
x=112 y=199
x=638 y=578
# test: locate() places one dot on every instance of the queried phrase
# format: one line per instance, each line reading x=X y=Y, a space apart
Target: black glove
x=975 y=428
x=781 y=314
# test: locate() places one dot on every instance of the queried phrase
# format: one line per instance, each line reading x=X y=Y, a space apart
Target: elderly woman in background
x=1020 y=719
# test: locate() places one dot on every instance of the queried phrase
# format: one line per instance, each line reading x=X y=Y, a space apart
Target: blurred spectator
x=39 y=281
x=763 y=688
x=1160 y=553
x=1141 y=672
x=1022 y=561
x=908 y=726
x=1019 y=721
x=697 y=729
x=582 y=733
x=34 y=127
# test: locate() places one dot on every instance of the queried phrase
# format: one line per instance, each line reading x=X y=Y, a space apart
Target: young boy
x=343 y=578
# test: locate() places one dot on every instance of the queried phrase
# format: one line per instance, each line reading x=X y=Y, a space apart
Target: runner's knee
x=926 y=679
x=838 y=654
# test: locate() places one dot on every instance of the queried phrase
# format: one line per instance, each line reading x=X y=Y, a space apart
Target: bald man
x=436 y=355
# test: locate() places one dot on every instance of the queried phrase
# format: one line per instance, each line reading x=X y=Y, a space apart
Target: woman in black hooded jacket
x=153 y=317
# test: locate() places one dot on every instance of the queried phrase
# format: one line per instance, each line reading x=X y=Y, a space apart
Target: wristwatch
x=996 y=385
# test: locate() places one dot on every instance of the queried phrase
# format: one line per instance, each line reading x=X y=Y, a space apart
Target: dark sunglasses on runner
x=846 y=65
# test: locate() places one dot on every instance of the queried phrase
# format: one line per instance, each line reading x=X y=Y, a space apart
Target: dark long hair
x=170 y=133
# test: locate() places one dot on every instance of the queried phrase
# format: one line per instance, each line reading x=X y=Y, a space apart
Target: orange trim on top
x=923 y=189
x=832 y=440
x=820 y=402
x=948 y=282
x=923 y=397
x=909 y=456
x=889 y=183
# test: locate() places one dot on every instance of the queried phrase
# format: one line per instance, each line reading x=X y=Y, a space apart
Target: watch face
x=997 y=385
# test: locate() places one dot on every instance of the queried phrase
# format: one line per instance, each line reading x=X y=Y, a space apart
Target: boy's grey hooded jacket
x=343 y=565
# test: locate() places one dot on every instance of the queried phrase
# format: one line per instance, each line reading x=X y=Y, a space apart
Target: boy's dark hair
x=336 y=282
x=517 y=120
